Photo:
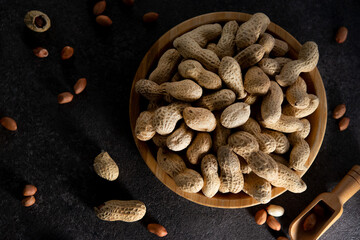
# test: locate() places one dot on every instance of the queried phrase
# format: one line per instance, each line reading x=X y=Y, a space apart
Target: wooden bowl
x=313 y=79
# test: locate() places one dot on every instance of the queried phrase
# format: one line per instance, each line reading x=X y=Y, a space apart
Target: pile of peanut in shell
x=227 y=100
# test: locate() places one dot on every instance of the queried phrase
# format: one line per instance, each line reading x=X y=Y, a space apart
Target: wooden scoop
x=332 y=204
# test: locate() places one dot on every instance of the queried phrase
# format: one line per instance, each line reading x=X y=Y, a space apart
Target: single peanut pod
x=217 y=100
x=273 y=223
x=280 y=48
x=250 y=99
x=282 y=142
x=29 y=190
x=235 y=115
x=268 y=42
x=243 y=143
x=160 y=140
x=275 y=210
x=220 y=135
x=199 y=147
x=185 y=90
x=231 y=178
x=157 y=229
x=257 y=187
x=144 y=129
x=244 y=166
x=8 y=123
x=307 y=60
x=300 y=113
x=106 y=167
x=166 y=66
x=226 y=44
x=180 y=138
x=189 y=48
x=260 y=217
x=297 y=94
x=279 y=159
x=250 y=55
x=189 y=181
x=165 y=118
x=199 y=119
x=117 y=210
x=289 y=180
x=249 y=32
x=204 y=33
x=209 y=169
x=170 y=162
x=194 y=70
x=230 y=73
x=271 y=104
x=263 y=165
x=149 y=89
x=256 y=81
x=286 y=124
x=339 y=111
x=273 y=66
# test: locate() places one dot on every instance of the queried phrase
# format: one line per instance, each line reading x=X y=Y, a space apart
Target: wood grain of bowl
x=313 y=79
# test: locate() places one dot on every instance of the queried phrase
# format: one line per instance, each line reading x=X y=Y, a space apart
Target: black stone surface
x=55 y=145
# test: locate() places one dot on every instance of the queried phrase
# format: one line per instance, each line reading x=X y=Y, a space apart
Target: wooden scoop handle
x=349 y=185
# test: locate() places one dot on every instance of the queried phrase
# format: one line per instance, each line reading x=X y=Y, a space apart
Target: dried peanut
x=297 y=95
x=41 y=52
x=67 y=52
x=189 y=48
x=166 y=66
x=258 y=188
x=341 y=35
x=309 y=222
x=180 y=138
x=230 y=73
x=8 y=123
x=199 y=147
x=286 y=124
x=280 y=48
x=256 y=81
x=272 y=66
x=80 y=85
x=344 y=123
x=29 y=190
x=273 y=223
x=282 y=142
x=209 y=169
x=235 y=115
x=243 y=143
x=250 y=55
x=144 y=129
x=157 y=229
x=307 y=61
x=189 y=181
x=103 y=20
x=260 y=217
x=149 y=89
x=289 y=180
x=106 y=167
x=205 y=33
x=231 y=178
x=268 y=42
x=193 y=69
x=275 y=210
x=300 y=113
x=263 y=165
x=99 y=8
x=199 y=119
x=165 y=118
x=185 y=90
x=217 y=100
x=339 y=111
x=249 y=32
x=117 y=210
x=65 y=97
x=150 y=17
x=271 y=104
x=226 y=44
x=28 y=201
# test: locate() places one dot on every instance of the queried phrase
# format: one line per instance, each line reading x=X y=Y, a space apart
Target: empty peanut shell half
x=37 y=21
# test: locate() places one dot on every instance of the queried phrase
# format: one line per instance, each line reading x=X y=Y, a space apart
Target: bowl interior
x=313 y=79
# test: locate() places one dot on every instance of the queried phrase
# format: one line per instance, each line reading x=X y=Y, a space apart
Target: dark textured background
x=55 y=145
